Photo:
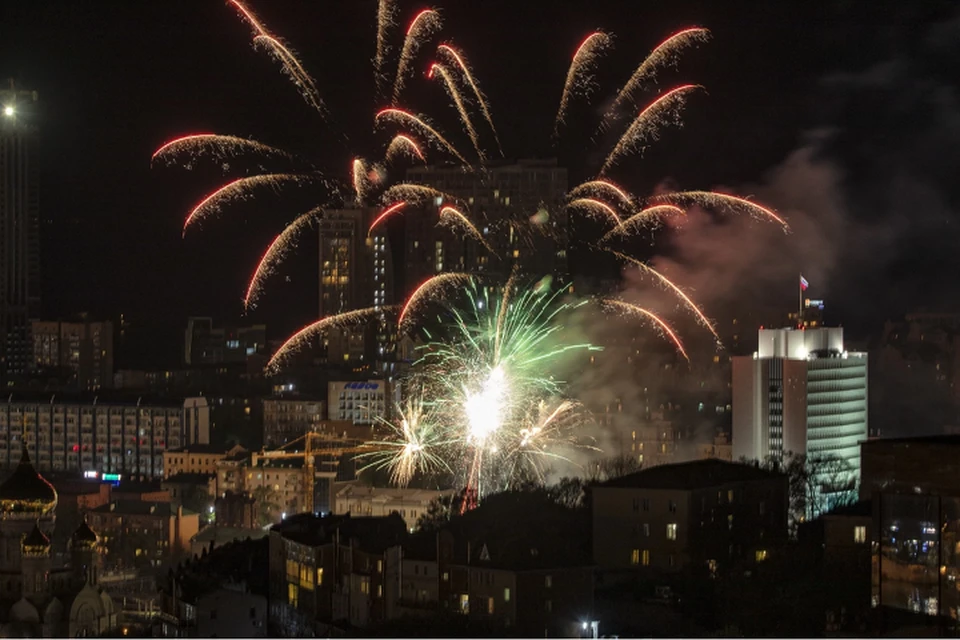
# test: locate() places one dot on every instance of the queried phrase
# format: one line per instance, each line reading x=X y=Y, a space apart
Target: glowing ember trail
x=216 y=145
x=278 y=250
x=578 y=75
x=405 y=117
x=385 y=12
x=250 y=17
x=430 y=287
x=359 y=175
x=405 y=145
x=294 y=70
x=662 y=326
x=414 y=193
x=593 y=187
x=592 y=204
x=239 y=189
x=424 y=25
x=453 y=215
x=454 y=93
x=302 y=337
x=385 y=214
x=458 y=58
x=714 y=200
x=646 y=127
x=663 y=54
x=667 y=283
x=650 y=215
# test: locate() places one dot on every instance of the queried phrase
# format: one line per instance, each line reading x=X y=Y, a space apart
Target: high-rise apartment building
x=800 y=393
x=19 y=229
x=84 y=349
x=356 y=272
x=518 y=208
x=206 y=344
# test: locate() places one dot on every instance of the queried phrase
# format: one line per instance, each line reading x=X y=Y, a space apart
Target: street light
x=9 y=111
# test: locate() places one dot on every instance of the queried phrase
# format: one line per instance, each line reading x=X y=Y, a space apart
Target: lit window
x=859 y=534
x=672 y=531
x=548 y=582
x=490 y=606
x=645 y=558
x=635 y=556
x=464 y=603
x=319 y=576
x=506 y=594
x=730 y=495
x=293 y=594
x=761 y=555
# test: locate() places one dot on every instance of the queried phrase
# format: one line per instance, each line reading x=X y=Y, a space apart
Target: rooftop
x=940 y=440
x=372 y=534
x=223 y=535
x=860 y=508
x=110 y=397
x=140 y=508
x=699 y=474
x=211 y=449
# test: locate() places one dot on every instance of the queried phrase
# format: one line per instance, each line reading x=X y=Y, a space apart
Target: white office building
x=800 y=393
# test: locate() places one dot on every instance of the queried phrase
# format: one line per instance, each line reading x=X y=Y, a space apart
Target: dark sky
x=853 y=104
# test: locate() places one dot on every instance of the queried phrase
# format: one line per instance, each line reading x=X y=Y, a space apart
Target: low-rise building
x=287 y=418
x=216 y=535
x=143 y=534
x=197 y=458
x=708 y=512
x=360 y=500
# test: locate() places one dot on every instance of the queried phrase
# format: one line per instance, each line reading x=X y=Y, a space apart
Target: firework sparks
x=250 y=17
x=215 y=145
x=403 y=145
x=414 y=192
x=592 y=204
x=405 y=117
x=292 y=67
x=461 y=63
x=578 y=75
x=385 y=13
x=649 y=216
x=239 y=189
x=656 y=320
x=714 y=200
x=424 y=25
x=453 y=216
x=438 y=70
x=282 y=245
x=385 y=214
x=413 y=446
x=430 y=287
x=668 y=284
x=646 y=127
x=302 y=338
x=359 y=175
x=597 y=187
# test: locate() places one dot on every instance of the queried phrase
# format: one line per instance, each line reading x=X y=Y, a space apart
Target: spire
x=25 y=455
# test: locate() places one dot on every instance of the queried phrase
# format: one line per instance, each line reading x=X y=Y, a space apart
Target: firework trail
x=454 y=217
x=385 y=12
x=668 y=284
x=424 y=25
x=414 y=192
x=592 y=204
x=578 y=75
x=250 y=17
x=360 y=182
x=454 y=93
x=403 y=145
x=385 y=214
x=596 y=187
x=664 y=110
x=662 y=326
x=663 y=54
x=240 y=189
x=282 y=245
x=405 y=117
x=430 y=287
x=302 y=337
x=645 y=216
x=714 y=200
x=217 y=146
x=460 y=61
x=410 y=448
x=294 y=70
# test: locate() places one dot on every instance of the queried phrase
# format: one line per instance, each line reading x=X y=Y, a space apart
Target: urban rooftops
x=686 y=476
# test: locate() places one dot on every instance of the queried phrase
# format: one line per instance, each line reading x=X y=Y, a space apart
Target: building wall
x=361 y=402
x=751 y=408
x=228 y=613
x=932 y=465
x=286 y=419
x=411 y=504
x=630 y=528
x=100 y=437
x=183 y=461
x=83 y=348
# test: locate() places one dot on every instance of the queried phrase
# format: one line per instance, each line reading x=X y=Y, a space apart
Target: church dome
x=36 y=538
x=84 y=534
x=26 y=490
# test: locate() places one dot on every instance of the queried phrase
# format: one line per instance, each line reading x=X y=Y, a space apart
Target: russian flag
x=803 y=283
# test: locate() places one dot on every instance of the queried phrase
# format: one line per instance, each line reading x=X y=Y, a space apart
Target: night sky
x=843 y=115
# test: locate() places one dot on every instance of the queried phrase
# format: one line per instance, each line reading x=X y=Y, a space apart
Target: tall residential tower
x=19 y=229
